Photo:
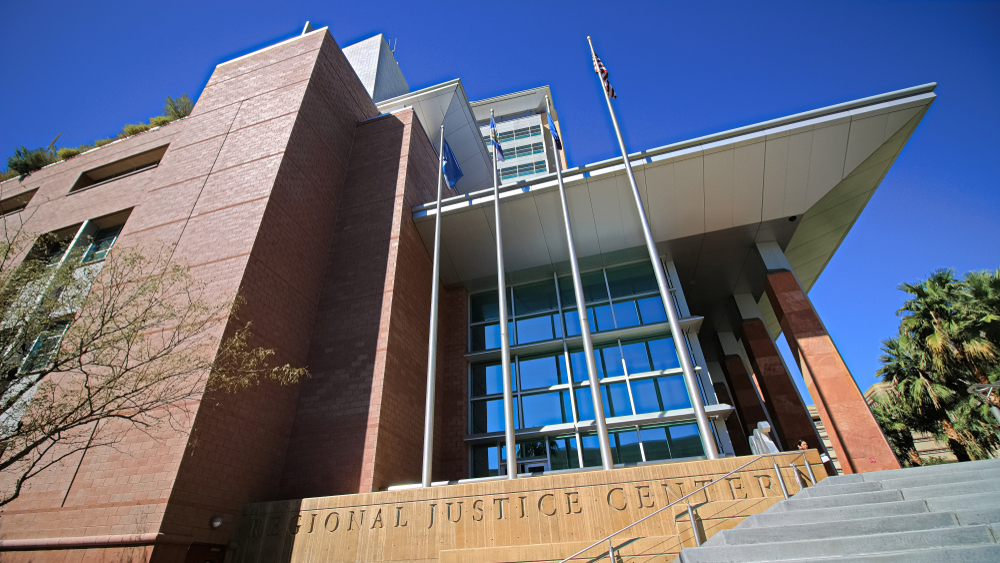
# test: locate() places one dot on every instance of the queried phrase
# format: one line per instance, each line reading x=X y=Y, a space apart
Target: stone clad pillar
x=789 y=415
x=852 y=429
x=738 y=437
x=745 y=397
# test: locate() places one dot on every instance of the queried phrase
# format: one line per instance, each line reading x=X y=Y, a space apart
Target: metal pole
x=694 y=526
x=690 y=382
x=508 y=396
x=611 y=551
x=581 y=308
x=809 y=469
x=425 y=474
x=781 y=480
x=795 y=473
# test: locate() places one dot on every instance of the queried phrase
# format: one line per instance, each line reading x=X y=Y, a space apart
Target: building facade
x=307 y=186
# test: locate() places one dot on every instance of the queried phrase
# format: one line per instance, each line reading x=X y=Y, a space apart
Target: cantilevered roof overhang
x=801 y=181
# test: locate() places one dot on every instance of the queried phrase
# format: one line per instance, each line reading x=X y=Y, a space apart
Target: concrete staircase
x=940 y=513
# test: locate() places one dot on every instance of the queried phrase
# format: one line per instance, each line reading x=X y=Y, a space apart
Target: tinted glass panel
x=594 y=289
x=654 y=441
x=546 y=408
x=579 y=363
x=673 y=393
x=487 y=416
x=628 y=447
x=536 y=329
x=632 y=279
x=602 y=314
x=562 y=454
x=591 y=451
x=540 y=372
x=487 y=337
x=612 y=361
x=484 y=461
x=664 y=354
x=626 y=314
x=103 y=241
x=646 y=399
x=651 y=310
x=487 y=379
x=685 y=441
x=620 y=405
x=636 y=358
x=484 y=307
x=585 y=403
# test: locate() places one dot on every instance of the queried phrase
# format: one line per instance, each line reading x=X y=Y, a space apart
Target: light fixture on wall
x=217 y=522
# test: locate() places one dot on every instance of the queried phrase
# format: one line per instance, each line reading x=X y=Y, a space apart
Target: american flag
x=603 y=73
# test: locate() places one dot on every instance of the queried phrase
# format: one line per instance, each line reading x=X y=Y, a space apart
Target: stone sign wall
x=493 y=520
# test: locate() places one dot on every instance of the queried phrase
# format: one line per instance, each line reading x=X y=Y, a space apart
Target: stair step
x=883 y=509
x=962 y=502
x=837 y=500
x=950 y=468
x=837 y=529
x=812 y=550
x=816 y=492
x=939 y=479
x=976 y=516
x=951 y=489
x=973 y=554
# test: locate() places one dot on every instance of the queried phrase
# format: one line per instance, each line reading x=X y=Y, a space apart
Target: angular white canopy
x=801 y=181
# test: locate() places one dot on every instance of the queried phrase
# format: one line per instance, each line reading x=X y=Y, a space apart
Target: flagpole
x=704 y=428
x=425 y=474
x=508 y=396
x=581 y=308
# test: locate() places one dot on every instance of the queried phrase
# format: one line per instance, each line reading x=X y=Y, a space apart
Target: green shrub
x=177 y=108
x=7 y=175
x=133 y=129
x=102 y=142
x=67 y=152
x=25 y=161
x=160 y=120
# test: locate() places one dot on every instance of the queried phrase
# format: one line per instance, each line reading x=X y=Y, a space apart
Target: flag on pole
x=603 y=73
x=555 y=134
x=450 y=168
x=495 y=140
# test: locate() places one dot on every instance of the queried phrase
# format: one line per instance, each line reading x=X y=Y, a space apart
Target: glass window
x=487 y=337
x=487 y=416
x=654 y=442
x=620 y=405
x=535 y=298
x=536 y=130
x=593 y=286
x=591 y=451
x=636 y=357
x=651 y=310
x=646 y=398
x=673 y=393
x=562 y=453
x=664 y=354
x=537 y=148
x=487 y=379
x=485 y=307
x=633 y=279
x=612 y=361
x=546 y=408
x=579 y=363
x=541 y=372
x=626 y=447
x=522 y=133
x=602 y=314
x=44 y=349
x=485 y=461
x=573 y=322
x=102 y=243
x=585 y=403
x=685 y=441
x=536 y=329
x=626 y=314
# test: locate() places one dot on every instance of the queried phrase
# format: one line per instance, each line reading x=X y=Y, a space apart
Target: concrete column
x=745 y=398
x=849 y=423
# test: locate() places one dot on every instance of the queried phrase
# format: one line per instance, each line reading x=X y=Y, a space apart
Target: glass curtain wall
x=638 y=375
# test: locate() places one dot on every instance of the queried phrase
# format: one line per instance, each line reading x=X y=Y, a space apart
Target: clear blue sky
x=681 y=70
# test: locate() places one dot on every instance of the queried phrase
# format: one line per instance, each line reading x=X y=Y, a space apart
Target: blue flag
x=452 y=171
x=555 y=134
x=495 y=139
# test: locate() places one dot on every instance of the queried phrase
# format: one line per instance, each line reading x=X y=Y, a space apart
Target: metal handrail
x=699 y=489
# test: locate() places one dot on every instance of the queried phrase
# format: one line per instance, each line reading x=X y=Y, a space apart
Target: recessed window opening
x=119 y=169
x=16 y=203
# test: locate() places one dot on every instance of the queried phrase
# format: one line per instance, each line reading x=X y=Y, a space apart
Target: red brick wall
x=451 y=455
